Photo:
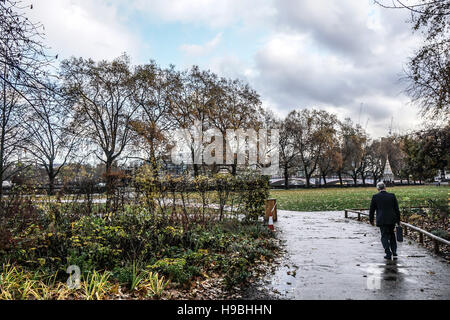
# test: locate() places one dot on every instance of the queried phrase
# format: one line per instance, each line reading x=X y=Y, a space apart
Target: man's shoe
x=387 y=257
x=394 y=255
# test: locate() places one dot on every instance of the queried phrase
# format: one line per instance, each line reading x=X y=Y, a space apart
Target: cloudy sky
x=344 y=56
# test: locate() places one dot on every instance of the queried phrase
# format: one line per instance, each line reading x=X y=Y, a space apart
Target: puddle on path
x=326 y=261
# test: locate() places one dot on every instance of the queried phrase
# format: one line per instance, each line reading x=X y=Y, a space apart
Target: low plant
x=16 y=284
x=441 y=233
x=136 y=277
x=96 y=285
x=174 y=268
x=153 y=284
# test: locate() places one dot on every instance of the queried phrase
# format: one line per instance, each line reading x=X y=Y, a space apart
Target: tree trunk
x=234 y=167
x=340 y=178
x=2 y=137
x=286 y=177
x=194 y=165
x=51 y=182
x=1 y=179
x=308 y=184
x=153 y=162
x=2 y=155
x=1 y=174
x=109 y=186
x=196 y=170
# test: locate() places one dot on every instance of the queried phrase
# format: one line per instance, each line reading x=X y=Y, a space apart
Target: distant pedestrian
x=388 y=215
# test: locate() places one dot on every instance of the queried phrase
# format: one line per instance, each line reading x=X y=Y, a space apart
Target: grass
x=154 y=284
x=96 y=285
x=18 y=284
x=328 y=199
x=336 y=199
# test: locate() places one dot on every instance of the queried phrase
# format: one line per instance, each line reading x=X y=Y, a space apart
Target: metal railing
x=436 y=240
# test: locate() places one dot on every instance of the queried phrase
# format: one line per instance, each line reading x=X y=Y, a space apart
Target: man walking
x=388 y=214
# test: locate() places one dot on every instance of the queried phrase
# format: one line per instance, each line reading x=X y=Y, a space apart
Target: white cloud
x=212 y=13
x=292 y=72
x=199 y=50
x=316 y=53
x=336 y=55
x=91 y=29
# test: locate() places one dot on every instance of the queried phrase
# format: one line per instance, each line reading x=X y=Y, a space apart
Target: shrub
x=95 y=244
x=441 y=233
x=130 y=275
x=255 y=191
x=176 y=269
x=236 y=271
x=176 y=240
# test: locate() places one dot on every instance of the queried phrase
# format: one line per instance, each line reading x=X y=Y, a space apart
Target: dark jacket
x=386 y=206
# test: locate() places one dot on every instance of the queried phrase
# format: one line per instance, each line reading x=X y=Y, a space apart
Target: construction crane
x=390 y=127
x=360 y=111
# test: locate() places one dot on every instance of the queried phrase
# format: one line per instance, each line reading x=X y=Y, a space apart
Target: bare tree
x=313 y=130
x=23 y=56
x=288 y=152
x=364 y=162
x=429 y=70
x=12 y=135
x=191 y=99
x=153 y=97
x=376 y=160
x=103 y=105
x=330 y=159
x=23 y=64
x=50 y=139
x=429 y=75
x=235 y=105
x=352 y=148
x=343 y=150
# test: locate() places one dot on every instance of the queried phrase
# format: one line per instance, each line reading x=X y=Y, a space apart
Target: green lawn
x=346 y=198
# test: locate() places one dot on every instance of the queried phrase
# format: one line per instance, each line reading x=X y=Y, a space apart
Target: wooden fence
x=436 y=240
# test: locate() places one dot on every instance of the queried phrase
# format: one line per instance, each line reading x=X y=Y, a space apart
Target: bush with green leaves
x=441 y=233
x=254 y=192
x=169 y=231
x=175 y=269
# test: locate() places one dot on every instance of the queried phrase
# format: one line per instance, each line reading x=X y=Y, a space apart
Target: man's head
x=381 y=186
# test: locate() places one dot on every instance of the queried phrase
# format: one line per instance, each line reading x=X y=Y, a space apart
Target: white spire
x=387 y=167
x=387 y=174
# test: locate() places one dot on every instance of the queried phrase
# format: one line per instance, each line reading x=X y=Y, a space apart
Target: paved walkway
x=330 y=257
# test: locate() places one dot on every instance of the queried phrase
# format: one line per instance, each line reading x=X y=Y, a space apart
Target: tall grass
x=95 y=285
x=154 y=285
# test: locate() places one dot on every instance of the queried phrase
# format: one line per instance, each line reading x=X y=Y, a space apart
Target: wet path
x=330 y=257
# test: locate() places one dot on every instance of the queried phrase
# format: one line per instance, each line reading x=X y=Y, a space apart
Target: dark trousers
x=388 y=239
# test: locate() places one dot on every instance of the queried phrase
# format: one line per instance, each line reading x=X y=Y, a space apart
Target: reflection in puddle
x=390 y=271
x=329 y=263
